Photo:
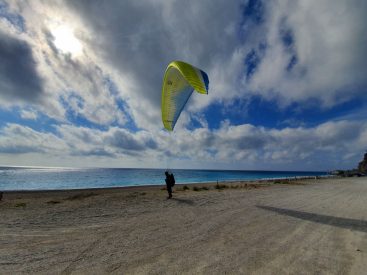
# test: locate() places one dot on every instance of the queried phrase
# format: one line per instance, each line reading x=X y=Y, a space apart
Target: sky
x=80 y=83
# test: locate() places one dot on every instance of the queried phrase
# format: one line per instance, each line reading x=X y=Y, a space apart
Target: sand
x=310 y=227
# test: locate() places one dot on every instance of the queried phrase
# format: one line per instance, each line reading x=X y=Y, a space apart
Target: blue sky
x=80 y=83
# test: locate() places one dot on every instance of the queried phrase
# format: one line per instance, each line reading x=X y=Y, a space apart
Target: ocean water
x=70 y=178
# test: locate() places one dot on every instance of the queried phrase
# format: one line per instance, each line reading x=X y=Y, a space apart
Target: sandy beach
x=299 y=227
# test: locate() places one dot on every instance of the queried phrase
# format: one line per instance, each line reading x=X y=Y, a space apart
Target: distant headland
x=361 y=170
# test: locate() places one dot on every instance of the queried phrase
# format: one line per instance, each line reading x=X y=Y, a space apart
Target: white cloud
x=249 y=147
x=18 y=139
x=327 y=39
x=328 y=146
x=29 y=114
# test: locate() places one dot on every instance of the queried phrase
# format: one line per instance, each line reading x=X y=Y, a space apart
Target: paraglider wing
x=180 y=80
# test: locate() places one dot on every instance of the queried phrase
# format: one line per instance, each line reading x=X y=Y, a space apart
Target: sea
x=20 y=178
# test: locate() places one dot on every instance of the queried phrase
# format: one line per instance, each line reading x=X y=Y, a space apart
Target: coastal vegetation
x=360 y=171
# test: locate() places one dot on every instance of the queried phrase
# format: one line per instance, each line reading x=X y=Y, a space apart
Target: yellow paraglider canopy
x=180 y=80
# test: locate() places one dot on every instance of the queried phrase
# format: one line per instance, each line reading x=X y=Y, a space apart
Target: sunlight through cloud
x=65 y=40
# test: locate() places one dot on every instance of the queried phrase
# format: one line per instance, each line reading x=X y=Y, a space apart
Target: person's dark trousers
x=169 y=190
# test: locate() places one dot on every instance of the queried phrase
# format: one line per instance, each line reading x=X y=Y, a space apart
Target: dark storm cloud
x=19 y=79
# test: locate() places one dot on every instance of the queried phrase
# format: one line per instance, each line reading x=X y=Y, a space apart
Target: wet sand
x=302 y=227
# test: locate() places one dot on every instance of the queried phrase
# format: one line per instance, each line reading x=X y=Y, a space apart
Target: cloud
x=309 y=50
x=65 y=76
x=19 y=79
x=328 y=146
x=289 y=51
x=28 y=114
x=125 y=140
x=135 y=43
x=248 y=147
x=113 y=142
x=297 y=49
x=18 y=139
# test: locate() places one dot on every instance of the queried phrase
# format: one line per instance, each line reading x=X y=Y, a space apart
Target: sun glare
x=65 y=40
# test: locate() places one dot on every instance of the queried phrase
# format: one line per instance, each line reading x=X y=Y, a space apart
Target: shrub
x=81 y=196
x=200 y=188
x=221 y=186
x=53 y=202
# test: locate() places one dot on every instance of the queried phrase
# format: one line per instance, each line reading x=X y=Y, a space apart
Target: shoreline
x=154 y=186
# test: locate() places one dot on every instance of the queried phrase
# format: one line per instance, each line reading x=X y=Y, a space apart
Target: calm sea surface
x=66 y=178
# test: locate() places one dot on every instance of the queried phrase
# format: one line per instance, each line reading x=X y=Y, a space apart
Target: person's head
x=166 y=173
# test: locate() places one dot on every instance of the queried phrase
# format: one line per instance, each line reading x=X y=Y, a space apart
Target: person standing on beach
x=170 y=182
